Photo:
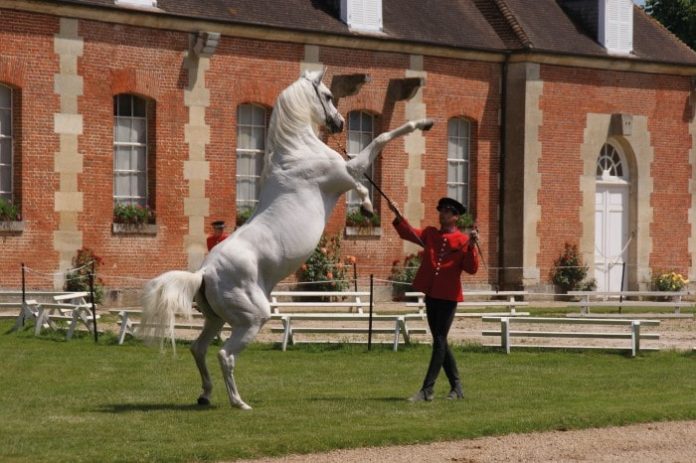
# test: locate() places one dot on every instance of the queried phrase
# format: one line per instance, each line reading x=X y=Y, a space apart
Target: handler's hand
x=473 y=237
x=394 y=209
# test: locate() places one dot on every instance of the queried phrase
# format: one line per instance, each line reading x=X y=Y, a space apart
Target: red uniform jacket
x=214 y=240
x=445 y=256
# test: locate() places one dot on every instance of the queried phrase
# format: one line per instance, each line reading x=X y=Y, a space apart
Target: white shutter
x=616 y=25
x=362 y=14
x=149 y=3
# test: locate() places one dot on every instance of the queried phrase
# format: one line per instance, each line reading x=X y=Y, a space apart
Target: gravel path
x=673 y=442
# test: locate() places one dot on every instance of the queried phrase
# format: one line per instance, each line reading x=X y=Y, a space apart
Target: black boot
x=456 y=393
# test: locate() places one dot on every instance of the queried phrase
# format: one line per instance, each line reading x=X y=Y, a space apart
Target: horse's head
x=323 y=110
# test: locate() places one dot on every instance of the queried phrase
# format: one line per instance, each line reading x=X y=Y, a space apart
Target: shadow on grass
x=129 y=408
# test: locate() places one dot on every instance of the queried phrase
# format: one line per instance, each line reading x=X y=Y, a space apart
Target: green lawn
x=78 y=401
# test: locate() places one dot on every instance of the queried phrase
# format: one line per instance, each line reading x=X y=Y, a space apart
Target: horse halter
x=327 y=120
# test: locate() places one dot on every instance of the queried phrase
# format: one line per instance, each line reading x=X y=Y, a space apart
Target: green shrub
x=78 y=278
x=569 y=270
x=465 y=221
x=355 y=218
x=402 y=275
x=669 y=281
x=243 y=214
x=325 y=266
x=133 y=214
x=8 y=211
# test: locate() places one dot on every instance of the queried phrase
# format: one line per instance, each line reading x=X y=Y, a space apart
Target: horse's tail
x=165 y=296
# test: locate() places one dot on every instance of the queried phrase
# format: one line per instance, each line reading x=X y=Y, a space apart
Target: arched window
x=610 y=163
x=6 y=143
x=251 y=144
x=130 y=150
x=458 y=159
x=361 y=131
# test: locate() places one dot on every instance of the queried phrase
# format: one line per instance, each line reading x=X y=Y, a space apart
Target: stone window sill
x=363 y=231
x=12 y=227
x=133 y=229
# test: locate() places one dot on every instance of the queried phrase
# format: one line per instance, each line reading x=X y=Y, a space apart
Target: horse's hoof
x=203 y=401
x=428 y=125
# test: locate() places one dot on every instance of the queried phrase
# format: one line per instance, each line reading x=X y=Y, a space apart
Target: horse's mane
x=291 y=115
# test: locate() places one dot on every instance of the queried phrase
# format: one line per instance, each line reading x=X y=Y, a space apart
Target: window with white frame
x=361 y=131
x=6 y=142
x=130 y=150
x=610 y=164
x=251 y=144
x=458 y=159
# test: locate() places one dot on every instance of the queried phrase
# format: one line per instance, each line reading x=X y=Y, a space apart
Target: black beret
x=219 y=224
x=451 y=204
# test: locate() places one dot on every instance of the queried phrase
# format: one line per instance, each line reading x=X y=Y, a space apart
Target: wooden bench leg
x=287 y=333
x=39 y=321
x=505 y=334
x=73 y=324
x=635 y=338
x=397 y=329
x=125 y=327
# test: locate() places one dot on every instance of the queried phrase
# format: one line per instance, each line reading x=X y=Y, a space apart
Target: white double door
x=611 y=235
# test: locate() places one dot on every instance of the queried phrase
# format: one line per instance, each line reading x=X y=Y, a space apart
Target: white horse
x=302 y=181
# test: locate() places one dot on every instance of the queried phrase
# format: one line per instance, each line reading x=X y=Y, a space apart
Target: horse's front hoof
x=428 y=124
x=203 y=401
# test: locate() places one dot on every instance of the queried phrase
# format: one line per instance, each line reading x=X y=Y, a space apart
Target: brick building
x=556 y=121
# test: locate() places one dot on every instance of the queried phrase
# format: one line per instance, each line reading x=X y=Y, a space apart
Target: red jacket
x=445 y=256
x=213 y=240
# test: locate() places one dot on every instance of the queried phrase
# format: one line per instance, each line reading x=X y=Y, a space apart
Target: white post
x=635 y=337
x=505 y=334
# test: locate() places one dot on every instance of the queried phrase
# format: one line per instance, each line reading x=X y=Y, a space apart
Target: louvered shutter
x=616 y=25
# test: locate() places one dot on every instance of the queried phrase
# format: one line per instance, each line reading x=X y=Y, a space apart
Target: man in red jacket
x=446 y=253
x=218 y=234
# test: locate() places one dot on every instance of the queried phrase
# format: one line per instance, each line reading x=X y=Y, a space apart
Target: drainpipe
x=503 y=148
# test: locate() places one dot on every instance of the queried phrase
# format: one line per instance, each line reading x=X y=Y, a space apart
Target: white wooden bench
x=355 y=301
x=72 y=307
x=634 y=334
x=129 y=320
x=621 y=299
x=358 y=322
x=479 y=300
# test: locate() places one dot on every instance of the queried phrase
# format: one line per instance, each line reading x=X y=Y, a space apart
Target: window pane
x=244 y=139
x=452 y=128
x=354 y=120
x=5 y=151
x=124 y=105
x=5 y=179
x=6 y=122
x=367 y=123
x=139 y=187
x=244 y=115
x=121 y=185
x=465 y=172
x=258 y=116
x=5 y=97
x=258 y=161
x=242 y=164
x=353 y=142
x=139 y=132
x=257 y=138
x=451 y=172
x=122 y=129
x=366 y=139
x=121 y=158
x=139 y=107
x=140 y=158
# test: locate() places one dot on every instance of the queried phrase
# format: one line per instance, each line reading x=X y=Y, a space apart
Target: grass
x=78 y=401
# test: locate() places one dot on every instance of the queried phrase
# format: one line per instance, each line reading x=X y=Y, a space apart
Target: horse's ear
x=320 y=75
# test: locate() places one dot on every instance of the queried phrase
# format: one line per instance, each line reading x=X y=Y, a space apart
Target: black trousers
x=440 y=316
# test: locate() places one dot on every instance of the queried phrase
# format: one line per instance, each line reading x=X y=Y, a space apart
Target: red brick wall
x=568 y=96
x=22 y=36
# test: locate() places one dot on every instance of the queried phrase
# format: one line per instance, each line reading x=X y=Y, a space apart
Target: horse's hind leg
x=199 y=348
x=241 y=336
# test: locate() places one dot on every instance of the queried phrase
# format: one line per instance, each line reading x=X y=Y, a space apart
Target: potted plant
x=134 y=218
x=359 y=224
x=10 y=218
x=402 y=275
x=243 y=214
x=569 y=271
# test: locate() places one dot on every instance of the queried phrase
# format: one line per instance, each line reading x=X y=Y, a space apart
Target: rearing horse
x=302 y=181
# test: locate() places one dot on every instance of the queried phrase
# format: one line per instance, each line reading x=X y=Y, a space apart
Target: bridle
x=329 y=122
